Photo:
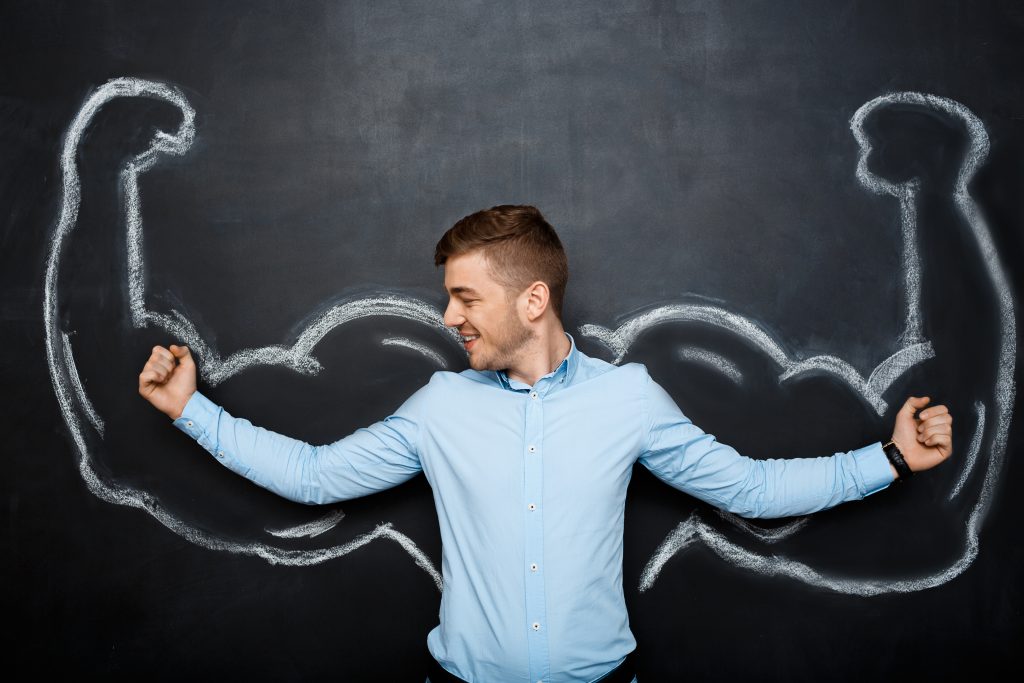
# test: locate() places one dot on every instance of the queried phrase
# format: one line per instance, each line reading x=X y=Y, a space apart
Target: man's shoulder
x=431 y=394
x=447 y=379
x=591 y=368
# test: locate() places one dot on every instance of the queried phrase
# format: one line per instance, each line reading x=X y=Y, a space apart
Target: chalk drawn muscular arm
x=681 y=454
x=368 y=460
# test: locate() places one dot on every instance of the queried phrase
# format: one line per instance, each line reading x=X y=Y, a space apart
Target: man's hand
x=168 y=379
x=925 y=440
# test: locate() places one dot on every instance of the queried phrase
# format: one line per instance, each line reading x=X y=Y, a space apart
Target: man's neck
x=541 y=358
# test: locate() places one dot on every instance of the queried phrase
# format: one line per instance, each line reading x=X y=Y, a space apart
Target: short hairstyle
x=520 y=247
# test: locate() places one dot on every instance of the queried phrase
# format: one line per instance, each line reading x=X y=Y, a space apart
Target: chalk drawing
x=76 y=385
x=765 y=535
x=310 y=529
x=972 y=450
x=71 y=395
x=913 y=350
x=419 y=348
x=298 y=355
x=694 y=530
x=712 y=360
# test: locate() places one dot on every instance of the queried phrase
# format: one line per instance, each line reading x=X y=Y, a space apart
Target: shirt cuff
x=875 y=471
x=199 y=419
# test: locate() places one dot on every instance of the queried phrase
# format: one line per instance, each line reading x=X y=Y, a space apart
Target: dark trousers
x=623 y=673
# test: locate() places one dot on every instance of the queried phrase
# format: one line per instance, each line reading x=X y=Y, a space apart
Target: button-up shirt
x=530 y=488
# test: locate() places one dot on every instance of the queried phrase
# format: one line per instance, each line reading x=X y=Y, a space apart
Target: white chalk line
x=972 y=450
x=765 y=535
x=713 y=360
x=309 y=529
x=419 y=348
x=694 y=529
x=620 y=340
x=76 y=380
x=298 y=356
x=63 y=373
x=914 y=350
x=893 y=367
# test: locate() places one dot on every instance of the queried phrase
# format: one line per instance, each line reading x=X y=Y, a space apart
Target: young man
x=529 y=453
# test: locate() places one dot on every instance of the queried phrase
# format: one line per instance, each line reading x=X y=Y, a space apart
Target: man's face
x=480 y=307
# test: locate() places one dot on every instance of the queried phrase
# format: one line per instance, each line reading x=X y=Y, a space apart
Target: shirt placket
x=536 y=613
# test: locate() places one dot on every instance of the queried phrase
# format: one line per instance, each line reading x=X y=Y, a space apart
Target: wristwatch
x=892 y=451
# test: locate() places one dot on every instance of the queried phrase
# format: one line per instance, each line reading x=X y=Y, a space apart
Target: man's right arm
x=368 y=460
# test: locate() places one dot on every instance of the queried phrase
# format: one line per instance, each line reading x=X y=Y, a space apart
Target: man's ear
x=538 y=298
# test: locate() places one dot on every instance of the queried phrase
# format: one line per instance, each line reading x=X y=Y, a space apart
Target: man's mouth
x=469 y=340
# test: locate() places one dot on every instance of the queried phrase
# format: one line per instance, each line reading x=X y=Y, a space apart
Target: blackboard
x=795 y=214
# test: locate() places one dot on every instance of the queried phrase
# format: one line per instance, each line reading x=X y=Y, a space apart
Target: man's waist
x=624 y=672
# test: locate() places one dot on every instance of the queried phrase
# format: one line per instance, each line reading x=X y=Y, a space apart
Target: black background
x=686 y=152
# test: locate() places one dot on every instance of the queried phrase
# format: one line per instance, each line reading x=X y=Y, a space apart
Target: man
x=529 y=454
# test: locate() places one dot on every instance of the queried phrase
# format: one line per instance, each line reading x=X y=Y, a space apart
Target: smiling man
x=529 y=475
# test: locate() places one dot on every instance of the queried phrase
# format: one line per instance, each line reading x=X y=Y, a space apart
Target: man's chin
x=480 y=364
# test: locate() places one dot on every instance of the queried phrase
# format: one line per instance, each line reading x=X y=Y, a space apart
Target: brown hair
x=519 y=245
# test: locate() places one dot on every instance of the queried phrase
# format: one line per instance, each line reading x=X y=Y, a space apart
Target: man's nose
x=453 y=315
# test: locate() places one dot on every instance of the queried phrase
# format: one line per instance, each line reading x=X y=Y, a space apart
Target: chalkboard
x=794 y=214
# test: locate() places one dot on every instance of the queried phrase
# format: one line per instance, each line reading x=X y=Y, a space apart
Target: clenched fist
x=924 y=440
x=168 y=379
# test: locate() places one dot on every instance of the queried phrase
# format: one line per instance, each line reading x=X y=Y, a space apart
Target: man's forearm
x=276 y=462
x=800 y=486
x=368 y=460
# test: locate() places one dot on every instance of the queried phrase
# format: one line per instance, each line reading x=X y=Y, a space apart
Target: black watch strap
x=892 y=452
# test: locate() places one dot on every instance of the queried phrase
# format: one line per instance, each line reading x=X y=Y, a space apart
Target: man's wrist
x=180 y=409
x=896 y=461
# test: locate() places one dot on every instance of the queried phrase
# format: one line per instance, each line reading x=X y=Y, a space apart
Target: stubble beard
x=505 y=345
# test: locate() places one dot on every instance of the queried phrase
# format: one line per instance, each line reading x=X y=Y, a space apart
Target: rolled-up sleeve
x=370 y=459
x=685 y=457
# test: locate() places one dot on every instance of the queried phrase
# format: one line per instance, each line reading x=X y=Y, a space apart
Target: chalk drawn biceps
x=990 y=425
x=298 y=356
x=992 y=417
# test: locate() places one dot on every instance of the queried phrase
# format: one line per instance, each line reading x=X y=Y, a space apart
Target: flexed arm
x=370 y=459
x=685 y=457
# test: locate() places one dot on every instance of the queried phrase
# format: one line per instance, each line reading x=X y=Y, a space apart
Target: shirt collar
x=563 y=374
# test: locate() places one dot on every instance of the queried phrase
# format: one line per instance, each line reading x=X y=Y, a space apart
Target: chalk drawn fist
x=399 y=340
x=168 y=379
x=736 y=378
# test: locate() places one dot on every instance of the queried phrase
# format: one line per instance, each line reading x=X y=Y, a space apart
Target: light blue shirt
x=530 y=488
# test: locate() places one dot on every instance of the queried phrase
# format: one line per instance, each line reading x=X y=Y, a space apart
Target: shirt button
x=533 y=394
x=531 y=507
x=533 y=567
x=220 y=454
x=189 y=423
x=536 y=626
x=533 y=448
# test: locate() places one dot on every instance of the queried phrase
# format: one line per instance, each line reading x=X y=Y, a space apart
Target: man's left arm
x=684 y=456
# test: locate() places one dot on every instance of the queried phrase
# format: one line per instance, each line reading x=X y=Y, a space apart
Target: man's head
x=505 y=274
